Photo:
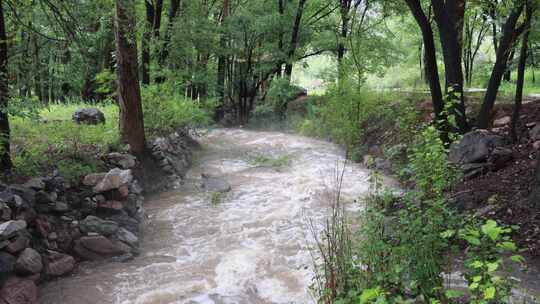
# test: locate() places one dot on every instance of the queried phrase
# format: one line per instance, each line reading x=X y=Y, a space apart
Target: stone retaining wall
x=47 y=226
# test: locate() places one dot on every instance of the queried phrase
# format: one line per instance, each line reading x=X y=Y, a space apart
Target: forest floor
x=503 y=194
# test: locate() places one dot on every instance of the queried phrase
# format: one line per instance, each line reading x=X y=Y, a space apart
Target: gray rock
x=474 y=147
x=61 y=207
x=503 y=121
x=29 y=262
x=19 y=291
x=95 y=224
x=214 y=184
x=36 y=183
x=102 y=245
x=7 y=264
x=58 y=264
x=124 y=161
x=534 y=133
x=127 y=237
x=90 y=116
x=93 y=179
x=18 y=244
x=9 y=228
x=113 y=180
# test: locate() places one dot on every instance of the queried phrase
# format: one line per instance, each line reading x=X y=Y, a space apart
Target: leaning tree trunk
x=505 y=44
x=430 y=63
x=521 y=76
x=5 y=159
x=129 y=95
x=294 y=38
x=174 y=7
x=145 y=43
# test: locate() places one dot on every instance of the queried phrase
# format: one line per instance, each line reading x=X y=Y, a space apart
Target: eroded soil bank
x=249 y=245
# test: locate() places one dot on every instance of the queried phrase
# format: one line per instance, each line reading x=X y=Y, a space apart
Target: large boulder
x=58 y=264
x=99 y=247
x=19 y=291
x=29 y=262
x=474 y=147
x=91 y=116
x=96 y=225
x=9 y=228
x=114 y=179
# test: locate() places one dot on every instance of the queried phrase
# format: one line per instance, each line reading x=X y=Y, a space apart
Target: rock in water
x=127 y=237
x=29 y=262
x=19 y=291
x=214 y=184
x=95 y=224
x=58 y=264
x=474 y=147
x=91 y=116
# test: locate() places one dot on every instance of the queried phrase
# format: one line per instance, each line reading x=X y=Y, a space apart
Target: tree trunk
x=222 y=60
x=172 y=14
x=505 y=44
x=508 y=74
x=449 y=19
x=345 y=7
x=131 y=123
x=37 y=68
x=145 y=43
x=521 y=76
x=430 y=63
x=294 y=38
x=5 y=159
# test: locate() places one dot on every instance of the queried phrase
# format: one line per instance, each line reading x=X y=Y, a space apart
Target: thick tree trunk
x=520 y=76
x=430 y=62
x=5 y=159
x=449 y=17
x=129 y=96
x=294 y=38
x=505 y=44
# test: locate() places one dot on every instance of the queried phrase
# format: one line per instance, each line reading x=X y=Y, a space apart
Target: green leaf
x=489 y=293
x=492 y=266
x=452 y=294
x=369 y=295
x=509 y=246
x=473 y=286
x=472 y=240
x=491 y=229
x=517 y=258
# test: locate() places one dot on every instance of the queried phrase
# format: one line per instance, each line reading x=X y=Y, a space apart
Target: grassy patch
x=217 y=198
x=44 y=138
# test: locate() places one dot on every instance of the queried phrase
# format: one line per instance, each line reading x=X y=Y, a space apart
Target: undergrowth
x=44 y=137
x=401 y=251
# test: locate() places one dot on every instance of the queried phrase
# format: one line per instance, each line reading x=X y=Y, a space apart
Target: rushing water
x=253 y=247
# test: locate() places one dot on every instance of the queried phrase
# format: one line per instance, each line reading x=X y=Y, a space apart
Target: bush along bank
x=417 y=247
x=48 y=225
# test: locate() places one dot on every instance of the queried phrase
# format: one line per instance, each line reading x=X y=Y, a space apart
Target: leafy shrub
x=280 y=93
x=165 y=111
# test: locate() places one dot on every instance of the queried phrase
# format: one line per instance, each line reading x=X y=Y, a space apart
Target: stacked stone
x=172 y=153
x=46 y=226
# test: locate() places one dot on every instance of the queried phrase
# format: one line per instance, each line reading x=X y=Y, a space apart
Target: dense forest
x=442 y=95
